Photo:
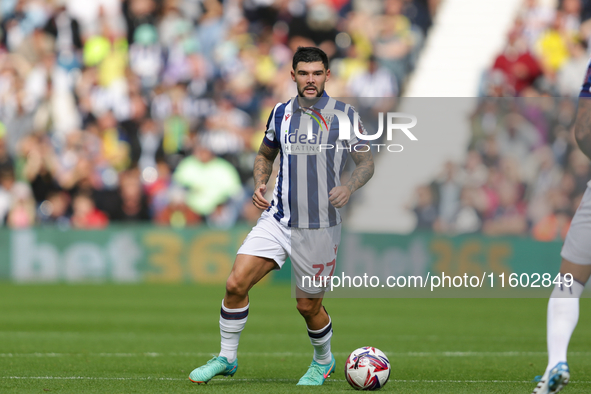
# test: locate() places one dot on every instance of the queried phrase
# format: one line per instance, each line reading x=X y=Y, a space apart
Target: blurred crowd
x=153 y=110
x=523 y=174
x=546 y=51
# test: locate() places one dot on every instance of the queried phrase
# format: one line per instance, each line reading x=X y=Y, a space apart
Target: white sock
x=232 y=322
x=563 y=314
x=320 y=339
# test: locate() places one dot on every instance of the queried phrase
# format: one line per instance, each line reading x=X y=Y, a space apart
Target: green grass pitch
x=147 y=338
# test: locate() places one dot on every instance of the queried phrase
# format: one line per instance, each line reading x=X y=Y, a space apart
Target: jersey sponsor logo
x=297 y=143
x=287 y=116
x=303 y=143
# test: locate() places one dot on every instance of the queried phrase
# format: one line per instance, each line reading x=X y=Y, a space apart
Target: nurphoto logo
x=311 y=143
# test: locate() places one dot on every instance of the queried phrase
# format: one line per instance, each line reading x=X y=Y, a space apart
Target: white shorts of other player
x=577 y=248
x=312 y=251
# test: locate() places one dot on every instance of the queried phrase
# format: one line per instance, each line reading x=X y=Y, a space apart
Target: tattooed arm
x=339 y=196
x=363 y=172
x=263 y=167
x=583 y=125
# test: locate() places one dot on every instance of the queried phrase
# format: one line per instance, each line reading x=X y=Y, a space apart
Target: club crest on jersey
x=322 y=118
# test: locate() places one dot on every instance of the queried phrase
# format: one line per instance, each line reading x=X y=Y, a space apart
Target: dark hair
x=309 y=55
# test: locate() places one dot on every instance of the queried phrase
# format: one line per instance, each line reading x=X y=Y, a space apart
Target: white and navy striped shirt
x=306 y=173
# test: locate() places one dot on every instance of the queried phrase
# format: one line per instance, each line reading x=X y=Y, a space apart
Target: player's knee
x=236 y=287
x=308 y=309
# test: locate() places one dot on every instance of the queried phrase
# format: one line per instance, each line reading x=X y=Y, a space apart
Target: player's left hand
x=339 y=196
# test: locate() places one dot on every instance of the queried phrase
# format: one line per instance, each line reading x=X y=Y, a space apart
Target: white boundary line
x=229 y=380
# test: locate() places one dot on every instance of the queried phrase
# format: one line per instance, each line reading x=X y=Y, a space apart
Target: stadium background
x=138 y=122
x=128 y=131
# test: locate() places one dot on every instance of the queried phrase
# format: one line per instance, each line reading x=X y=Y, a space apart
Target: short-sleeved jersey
x=309 y=167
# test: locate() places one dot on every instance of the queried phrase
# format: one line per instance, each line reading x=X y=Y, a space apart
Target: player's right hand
x=258 y=198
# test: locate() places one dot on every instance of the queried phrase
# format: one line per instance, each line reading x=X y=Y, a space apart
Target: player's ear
x=327 y=75
x=293 y=75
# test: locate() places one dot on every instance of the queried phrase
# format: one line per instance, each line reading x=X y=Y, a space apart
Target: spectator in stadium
x=98 y=83
x=5 y=159
x=18 y=118
x=7 y=182
x=133 y=204
x=547 y=174
x=146 y=58
x=510 y=170
x=491 y=155
x=156 y=185
x=85 y=215
x=66 y=32
x=572 y=12
x=394 y=42
x=554 y=215
x=568 y=78
x=107 y=49
x=150 y=146
x=40 y=166
x=211 y=181
x=517 y=64
x=176 y=123
x=138 y=13
x=227 y=128
x=535 y=18
x=376 y=81
x=18 y=24
x=509 y=217
x=425 y=209
x=114 y=142
x=352 y=65
x=474 y=173
x=552 y=46
x=22 y=208
x=468 y=218
x=56 y=209
x=177 y=213
x=543 y=184
x=517 y=137
x=447 y=189
x=484 y=122
x=553 y=227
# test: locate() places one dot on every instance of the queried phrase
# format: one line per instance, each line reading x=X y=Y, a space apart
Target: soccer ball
x=367 y=368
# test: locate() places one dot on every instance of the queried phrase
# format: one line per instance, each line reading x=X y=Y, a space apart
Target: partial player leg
x=563 y=315
x=320 y=332
x=246 y=272
x=314 y=253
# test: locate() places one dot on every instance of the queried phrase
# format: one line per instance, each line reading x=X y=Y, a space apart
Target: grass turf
x=147 y=338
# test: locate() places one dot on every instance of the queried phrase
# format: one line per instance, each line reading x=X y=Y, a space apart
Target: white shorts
x=312 y=251
x=577 y=245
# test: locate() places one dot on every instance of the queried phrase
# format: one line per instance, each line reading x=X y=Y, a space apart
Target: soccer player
x=302 y=221
x=563 y=307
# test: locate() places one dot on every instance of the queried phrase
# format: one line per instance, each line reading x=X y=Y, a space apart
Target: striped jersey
x=309 y=167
